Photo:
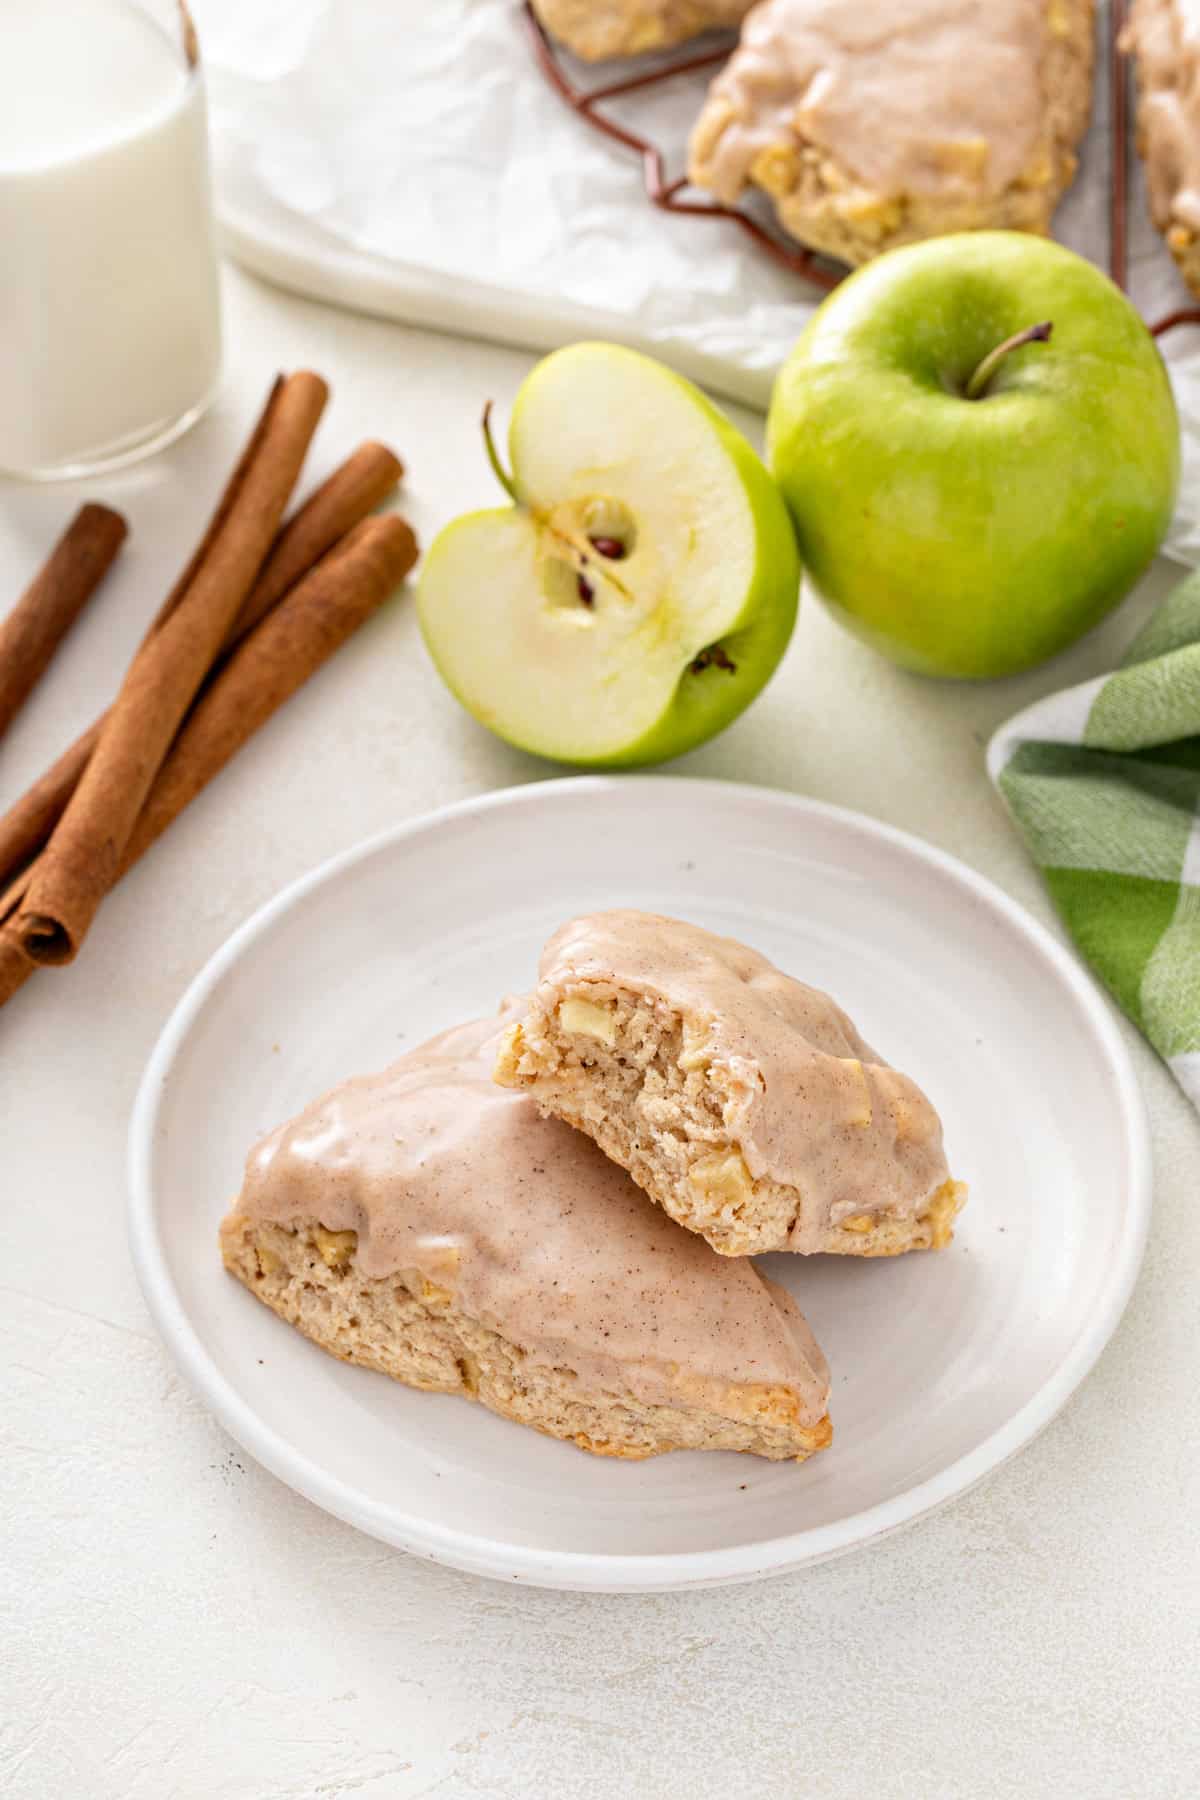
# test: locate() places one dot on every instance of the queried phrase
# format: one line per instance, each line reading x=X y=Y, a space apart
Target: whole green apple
x=641 y=589
x=968 y=513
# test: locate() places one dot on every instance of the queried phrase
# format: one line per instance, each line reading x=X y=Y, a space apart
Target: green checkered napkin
x=1104 y=782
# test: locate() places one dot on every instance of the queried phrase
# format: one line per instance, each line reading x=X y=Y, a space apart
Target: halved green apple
x=641 y=589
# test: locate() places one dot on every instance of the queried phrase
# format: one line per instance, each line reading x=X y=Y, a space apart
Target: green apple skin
x=757 y=613
x=975 y=538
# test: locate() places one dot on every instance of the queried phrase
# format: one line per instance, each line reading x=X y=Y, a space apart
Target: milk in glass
x=109 y=317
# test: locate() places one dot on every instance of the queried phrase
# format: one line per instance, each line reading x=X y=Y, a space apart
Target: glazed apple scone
x=428 y=1224
x=872 y=124
x=745 y=1103
x=1164 y=36
x=594 y=29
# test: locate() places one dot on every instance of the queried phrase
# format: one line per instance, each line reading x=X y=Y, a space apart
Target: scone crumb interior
x=631 y=1072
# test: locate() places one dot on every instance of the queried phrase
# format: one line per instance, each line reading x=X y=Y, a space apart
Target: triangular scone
x=745 y=1103
x=594 y=29
x=428 y=1224
x=872 y=124
x=1162 y=35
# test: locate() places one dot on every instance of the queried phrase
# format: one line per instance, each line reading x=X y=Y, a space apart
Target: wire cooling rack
x=677 y=196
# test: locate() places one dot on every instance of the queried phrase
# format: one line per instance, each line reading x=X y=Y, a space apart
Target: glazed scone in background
x=428 y=1224
x=595 y=29
x=744 y=1102
x=873 y=123
x=1164 y=35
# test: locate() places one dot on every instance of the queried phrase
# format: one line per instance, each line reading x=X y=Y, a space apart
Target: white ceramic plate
x=943 y=1365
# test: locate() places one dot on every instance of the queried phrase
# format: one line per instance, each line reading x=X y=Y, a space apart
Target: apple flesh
x=640 y=591
x=975 y=536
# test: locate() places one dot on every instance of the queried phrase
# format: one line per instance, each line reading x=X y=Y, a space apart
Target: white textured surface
x=178 y=1624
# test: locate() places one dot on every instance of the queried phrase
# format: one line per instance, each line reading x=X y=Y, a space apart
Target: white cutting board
x=408 y=159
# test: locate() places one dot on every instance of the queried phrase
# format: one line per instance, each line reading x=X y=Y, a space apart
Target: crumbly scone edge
x=712 y=1191
x=408 y=1328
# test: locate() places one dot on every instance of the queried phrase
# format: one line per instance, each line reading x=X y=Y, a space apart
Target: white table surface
x=177 y=1623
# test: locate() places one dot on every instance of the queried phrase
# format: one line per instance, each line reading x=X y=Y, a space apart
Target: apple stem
x=579 y=546
x=1032 y=334
x=493 y=455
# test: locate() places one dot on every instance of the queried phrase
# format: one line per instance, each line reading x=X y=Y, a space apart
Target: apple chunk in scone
x=745 y=1103
x=642 y=588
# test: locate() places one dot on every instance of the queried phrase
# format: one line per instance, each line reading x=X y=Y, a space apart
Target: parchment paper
x=406 y=157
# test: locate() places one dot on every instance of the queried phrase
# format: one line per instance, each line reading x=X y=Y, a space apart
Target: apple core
x=641 y=588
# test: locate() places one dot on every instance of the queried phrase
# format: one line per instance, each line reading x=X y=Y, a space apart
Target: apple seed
x=713 y=658
x=611 y=547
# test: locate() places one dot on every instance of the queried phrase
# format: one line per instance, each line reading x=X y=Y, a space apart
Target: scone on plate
x=1164 y=35
x=872 y=124
x=745 y=1103
x=428 y=1224
x=594 y=29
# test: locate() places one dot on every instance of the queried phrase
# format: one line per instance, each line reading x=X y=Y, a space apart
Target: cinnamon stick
x=68 y=881
x=221 y=512
x=28 y=823
x=353 y=491
x=25 y=828
x=15 y=968
x=313 y=620
x=48 y=608
x=290 y=644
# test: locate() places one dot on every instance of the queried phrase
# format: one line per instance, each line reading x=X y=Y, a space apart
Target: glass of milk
x=110 y=337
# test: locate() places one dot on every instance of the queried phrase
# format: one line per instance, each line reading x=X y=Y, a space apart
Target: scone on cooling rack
x=1164 y=36
x=595 y=29
x=745 y=1103
x=428 y=1224
x=872 y=124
